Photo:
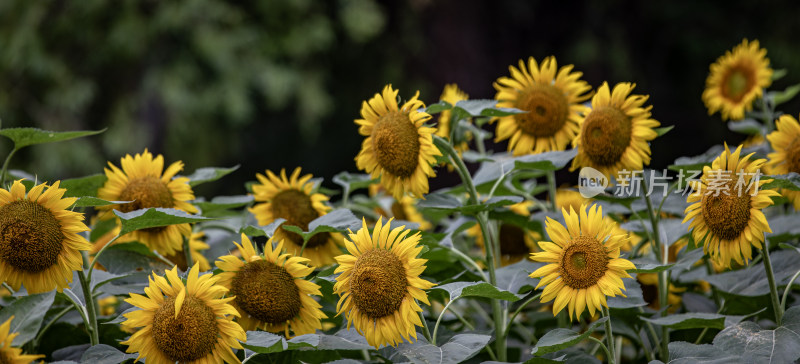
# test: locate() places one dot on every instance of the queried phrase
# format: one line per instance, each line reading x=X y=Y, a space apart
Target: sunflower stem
x=551 y=187
x=773 y=289
x=90 y=268
x=609 y=336
x=788 y=290
x=5 y=167
x=663 y=280
x=7 y=287
x=425 y=331
x=470 y=261
x=439 y=320
x=187 y=252
x=94 y=336
x=605 y=349
x=518 y=310
x=483 y=220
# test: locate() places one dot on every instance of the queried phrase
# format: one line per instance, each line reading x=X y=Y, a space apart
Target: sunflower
x=270 y=291
x=516 y=243
x=404 y=209
x=196 y=244
x=188 y=323
x=141 y=181
x=293 y=199
x=584 y=264
x=725 y=208
x=9 y=354
x=614 y=133
x=552 y=101
x=379 y=284
x=785 y=141
x=452 y=94
x=397 y=148
x=736 y=79
x=40 y=244
x=570 y=199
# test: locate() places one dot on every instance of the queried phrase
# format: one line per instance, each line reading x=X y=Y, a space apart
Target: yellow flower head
x=736 y=80
x=614 y=133
x=785 y=142
x=397 y=148
x=187 y=323
x=552 y=100
x=9 y=354
x=40 y=241
x=294 y=199
x=379 y=284
x=725 y=208
x=270 y=291
x=141 y=181
x=583 y=262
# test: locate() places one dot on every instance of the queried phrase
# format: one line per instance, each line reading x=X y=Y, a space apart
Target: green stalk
x=663 y=280
x=773 y=289
x=88 y=297
x=609 y=336
x=518 y=310
x=605 y=349
x=425 y=331
x=187 y=253
x=5 y=167
x=788 y=290
x=551 y=187
x=439 y=320
x=483 y=221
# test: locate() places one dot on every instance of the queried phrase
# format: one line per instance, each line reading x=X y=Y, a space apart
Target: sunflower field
x=695 y=263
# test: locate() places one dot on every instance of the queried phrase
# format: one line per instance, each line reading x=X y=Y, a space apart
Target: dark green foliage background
x=272 y=84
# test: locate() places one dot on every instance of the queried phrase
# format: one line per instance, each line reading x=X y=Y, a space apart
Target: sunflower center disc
x=267 y=292
x=296 y=207
x=398 y=212
x=793 y=156
x=583 y=263
x=395 y=141
x=606 y=135
x=737 y=83
x=30 y=236
x=379 y=283
x=727 y=215
x=512 y=240
x=191 y=335
x=145 y=192
x=546 y=108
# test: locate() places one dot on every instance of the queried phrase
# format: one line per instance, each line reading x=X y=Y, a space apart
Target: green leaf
x=209 y=174
x=456 y=350
x=746 y=126
x=778 y=74
x=104 y=354
x=24 y=137
x=83 y=186
x=681 y=352
x=28 y=315
x=467 y=108
x=754 y=345
x=514 y=277
x=692 y=320
x=336 y=221
x=89 y=201
x=343 y=340
x=789 y=93
x=555 y=340
x=264 y=342
x=648 y=265
x=267 y=231
x=476 y=289
x=751 y=281
x=223 y=203
x=154 y=217
x=790 y=181
x=503 y=163
x=633 y=296
x=124 y=258
x=438 y=107
x=663 y=130
x=697 y=163
x=352 y=182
